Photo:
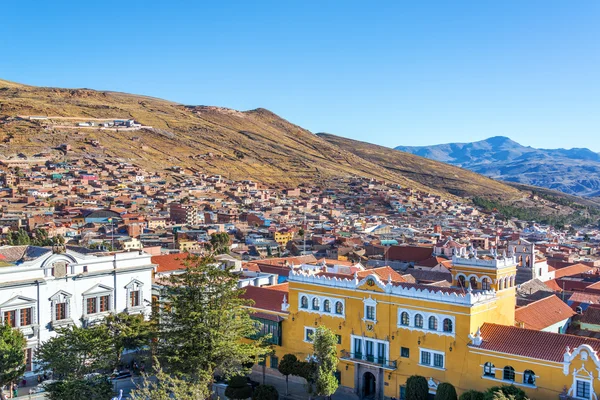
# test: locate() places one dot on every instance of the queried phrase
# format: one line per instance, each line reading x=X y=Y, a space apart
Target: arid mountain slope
x=255 y=144
x=427 y=172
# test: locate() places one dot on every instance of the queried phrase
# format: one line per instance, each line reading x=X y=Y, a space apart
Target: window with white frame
x=323 y=305
x=583 y=389
x=18 y=312
x=61 y=306
x=370 y=310
x=97 y=300
x=426 y=322
x=134 y=294
x=309 y=334
x=432 y=358
x=369 y=349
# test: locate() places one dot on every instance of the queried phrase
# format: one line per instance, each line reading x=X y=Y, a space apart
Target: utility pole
x=305 y=229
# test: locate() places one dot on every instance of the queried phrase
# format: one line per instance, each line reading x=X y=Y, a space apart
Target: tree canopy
x=202 y=328
x=12 y=355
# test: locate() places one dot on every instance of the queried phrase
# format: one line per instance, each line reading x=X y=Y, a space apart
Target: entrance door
x=369 y=386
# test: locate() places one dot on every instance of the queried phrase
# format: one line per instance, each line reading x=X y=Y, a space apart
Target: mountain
x=574 y=171
x=448 y=178
x=256 y=144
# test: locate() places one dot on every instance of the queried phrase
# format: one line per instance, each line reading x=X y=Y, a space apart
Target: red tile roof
x=543 y=313
x=586 y=298
x=267 y=298
x=541 y=345
x=591 y=315
x=383 y=273
x=571 y=270
x=170 y=262
x=409 y=253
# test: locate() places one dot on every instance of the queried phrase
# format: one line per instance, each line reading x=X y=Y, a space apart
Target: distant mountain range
x=574 y=171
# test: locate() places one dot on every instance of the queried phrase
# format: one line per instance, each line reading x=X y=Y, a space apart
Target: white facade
x=40 y=295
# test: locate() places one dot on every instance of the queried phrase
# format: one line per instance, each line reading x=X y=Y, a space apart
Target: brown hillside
x=255 y=144
x=434 y=174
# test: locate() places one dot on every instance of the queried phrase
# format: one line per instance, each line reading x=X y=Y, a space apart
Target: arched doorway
x=369 y=386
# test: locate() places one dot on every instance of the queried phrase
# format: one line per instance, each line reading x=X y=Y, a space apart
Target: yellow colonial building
x=389 y=329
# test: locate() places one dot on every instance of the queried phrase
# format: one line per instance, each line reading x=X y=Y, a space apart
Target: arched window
x=473 y=283
x=512 y=281
x=433 y=323
x=509 y=373
x=447 y=325
x=461 y=281
x=500 y=285
x=506 y=283
x=529 y=377
x=339 y=308
x=315 y=304
x=327 y=306
x=419 y=321
x=488 y=369
x=404 y=320
x=304 y=302
x=485 y=284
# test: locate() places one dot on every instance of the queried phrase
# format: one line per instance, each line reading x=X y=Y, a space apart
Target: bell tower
x=494 y=272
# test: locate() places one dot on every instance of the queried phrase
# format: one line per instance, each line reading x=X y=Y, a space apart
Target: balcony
x=367 y=359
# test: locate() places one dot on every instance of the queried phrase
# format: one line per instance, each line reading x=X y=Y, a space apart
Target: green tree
x=445 y=391
x=417 y=388
x=472 y=395
x=76 y=389
x=509 y=391
x=76 y=352
x=288 y=366
x=12 y=356
x=500 y=395
x=163 y=386
x=301 y=232
x=201 y=329
x=326 y=359
x=238 y=388
x=308 y=371
x=265 y=392
x=128 y=332
x=219 y=243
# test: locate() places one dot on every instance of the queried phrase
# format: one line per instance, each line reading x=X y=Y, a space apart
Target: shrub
x=472 y=395
x=417 y=388
x=507 y=391
x=265 y=392
x=238 y=388
x=445 y=391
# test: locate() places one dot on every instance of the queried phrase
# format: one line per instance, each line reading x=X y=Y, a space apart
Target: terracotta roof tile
x=409 y=253
x=591 y=315
x=586 y=298
x=571 y=270
x=170 y=262
x=528 y=342
x=267 y=298
x=543 y=313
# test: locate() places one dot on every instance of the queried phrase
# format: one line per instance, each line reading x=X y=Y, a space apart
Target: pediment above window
x=61 y=297
x=97 y=289
x=134 y=285
x=18 y=301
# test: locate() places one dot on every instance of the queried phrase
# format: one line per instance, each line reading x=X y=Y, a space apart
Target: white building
x=41 y=291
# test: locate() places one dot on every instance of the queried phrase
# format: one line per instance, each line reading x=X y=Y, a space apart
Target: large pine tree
x=204 y=321
x=12 y=355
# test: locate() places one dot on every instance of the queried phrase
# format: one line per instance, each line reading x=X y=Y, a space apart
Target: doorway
x=369 y=386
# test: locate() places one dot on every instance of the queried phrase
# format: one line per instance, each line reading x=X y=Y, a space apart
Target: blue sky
x=391 y=73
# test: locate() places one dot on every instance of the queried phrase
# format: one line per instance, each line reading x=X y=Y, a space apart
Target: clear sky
x=391 y=73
